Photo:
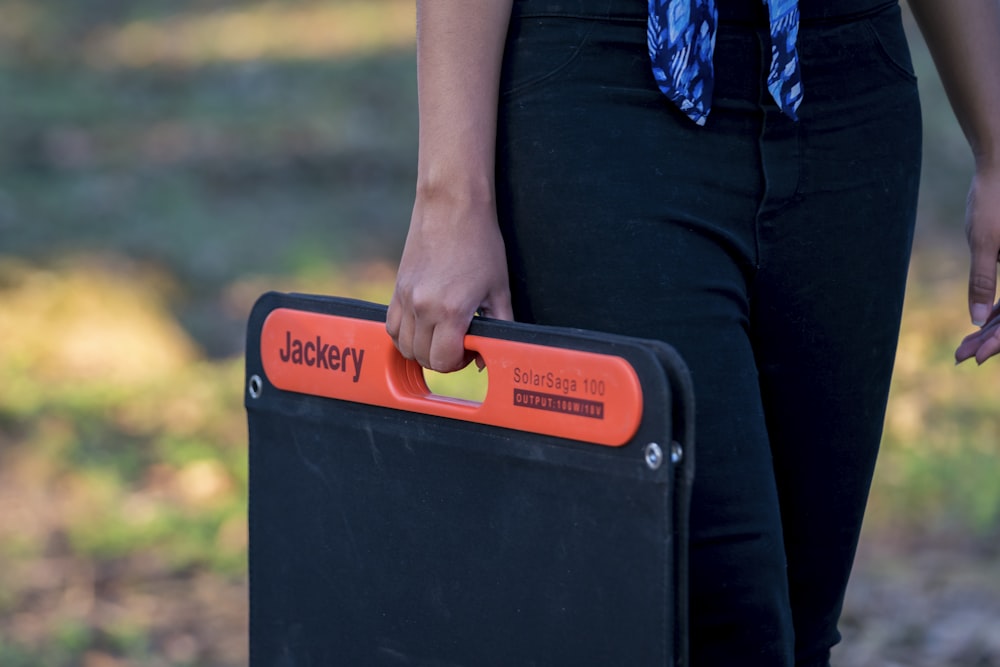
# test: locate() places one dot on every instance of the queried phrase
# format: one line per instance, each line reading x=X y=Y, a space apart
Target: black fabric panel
x=379 y=537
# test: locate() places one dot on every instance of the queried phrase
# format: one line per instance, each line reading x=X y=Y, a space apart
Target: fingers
x=399 y=324
x=394 y=317
x=499 y=307
x=981 y=344
x=429 y=334
x=968 y=347
x=989 y=347
x=446 y=346
x=435 y=342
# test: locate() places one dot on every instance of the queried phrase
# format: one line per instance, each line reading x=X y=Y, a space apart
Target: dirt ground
x=922 y=605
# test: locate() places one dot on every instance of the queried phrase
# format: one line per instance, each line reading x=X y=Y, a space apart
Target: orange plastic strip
x=571 y=394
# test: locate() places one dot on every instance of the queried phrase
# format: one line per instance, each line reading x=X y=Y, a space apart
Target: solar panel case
x=389 y=526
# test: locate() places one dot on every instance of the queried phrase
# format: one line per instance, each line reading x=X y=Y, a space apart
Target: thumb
x=982 y=282
x=498 y=307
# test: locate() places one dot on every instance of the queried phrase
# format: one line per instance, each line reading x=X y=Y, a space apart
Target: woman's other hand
x=983 y=233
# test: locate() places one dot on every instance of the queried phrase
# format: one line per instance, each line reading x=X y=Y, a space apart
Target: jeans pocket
x=538 y=49
x=885 y=30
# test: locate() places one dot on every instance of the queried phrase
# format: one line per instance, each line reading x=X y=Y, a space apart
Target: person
x=558 y=184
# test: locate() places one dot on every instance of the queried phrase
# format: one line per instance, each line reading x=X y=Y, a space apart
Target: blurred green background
x=162 y=163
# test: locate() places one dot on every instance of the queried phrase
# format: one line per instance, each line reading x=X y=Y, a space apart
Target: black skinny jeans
x=771 y=254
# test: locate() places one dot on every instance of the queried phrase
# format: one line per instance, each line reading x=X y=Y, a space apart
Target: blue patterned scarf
x=681 y=37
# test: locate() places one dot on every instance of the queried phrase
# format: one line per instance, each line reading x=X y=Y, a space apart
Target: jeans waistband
x=751 y=12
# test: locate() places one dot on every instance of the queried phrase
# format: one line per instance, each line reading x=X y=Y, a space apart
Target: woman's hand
x=453 y=265
x=983 y=233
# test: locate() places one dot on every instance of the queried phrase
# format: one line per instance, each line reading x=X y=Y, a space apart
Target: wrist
x=462 y=190
x=987 y=159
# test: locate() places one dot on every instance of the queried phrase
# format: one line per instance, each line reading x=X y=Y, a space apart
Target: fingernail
x=980 y=311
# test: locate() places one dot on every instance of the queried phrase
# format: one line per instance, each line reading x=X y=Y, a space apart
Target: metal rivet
x=676 y=452
x=255 y=386
x=654 y=456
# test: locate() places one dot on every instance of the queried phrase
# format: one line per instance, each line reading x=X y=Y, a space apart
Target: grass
x=940 y=463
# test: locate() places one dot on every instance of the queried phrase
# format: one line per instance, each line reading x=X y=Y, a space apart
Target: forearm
x=964 y=40
x=459 y=53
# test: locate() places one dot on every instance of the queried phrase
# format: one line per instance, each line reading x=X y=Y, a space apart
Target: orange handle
x=571 y=394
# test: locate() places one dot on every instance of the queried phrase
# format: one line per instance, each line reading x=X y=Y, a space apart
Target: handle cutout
x=468 y=384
